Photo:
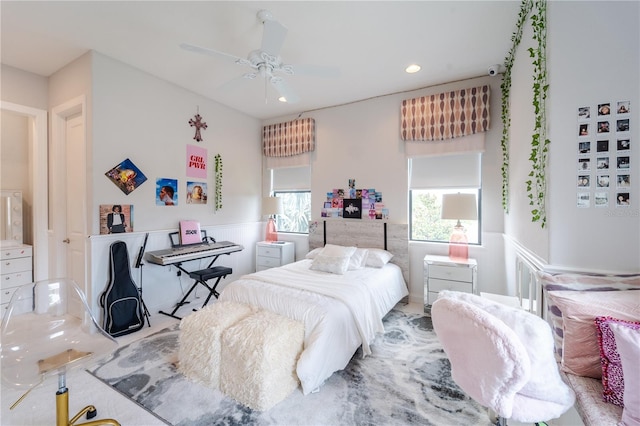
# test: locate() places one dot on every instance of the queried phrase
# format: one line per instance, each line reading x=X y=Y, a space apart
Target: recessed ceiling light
x=412 y=68
x=282 y=99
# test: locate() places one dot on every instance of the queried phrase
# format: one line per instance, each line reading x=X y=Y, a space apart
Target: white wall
x=145 y=119
x=362 y=141
x=591 y=60
x=23 y=88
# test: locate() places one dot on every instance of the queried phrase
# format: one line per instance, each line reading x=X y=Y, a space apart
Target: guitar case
x=121 y=302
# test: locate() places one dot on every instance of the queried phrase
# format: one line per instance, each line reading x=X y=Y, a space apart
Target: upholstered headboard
x=359 y=233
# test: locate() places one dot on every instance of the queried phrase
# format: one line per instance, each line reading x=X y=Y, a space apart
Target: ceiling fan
x=266 y=62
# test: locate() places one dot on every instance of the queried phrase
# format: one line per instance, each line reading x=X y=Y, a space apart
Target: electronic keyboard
x=192 y=252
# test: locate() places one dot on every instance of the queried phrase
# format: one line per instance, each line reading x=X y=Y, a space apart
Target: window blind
x=446 y=171
x=291 y=179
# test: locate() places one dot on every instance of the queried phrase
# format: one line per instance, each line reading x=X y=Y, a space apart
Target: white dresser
x=17 y=269
x=443 y=273
x=270 y=255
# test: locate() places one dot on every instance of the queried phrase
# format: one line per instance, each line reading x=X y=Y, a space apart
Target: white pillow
x=377 y=258
x=333 y=259
x=332 y=264
x=358 y=259
x=313 y=253
x=335 y=250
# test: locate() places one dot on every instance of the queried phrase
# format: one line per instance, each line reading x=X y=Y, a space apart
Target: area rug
x=405 y=381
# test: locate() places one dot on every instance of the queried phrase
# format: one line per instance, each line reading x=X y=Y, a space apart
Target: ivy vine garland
x=536 y=186
x=218 y=197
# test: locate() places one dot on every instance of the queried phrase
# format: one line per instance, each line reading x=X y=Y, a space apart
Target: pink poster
x=196 y=162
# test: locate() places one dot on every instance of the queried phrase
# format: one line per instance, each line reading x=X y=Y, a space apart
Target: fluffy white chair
x=259 y=357
x=200 y=340
x=502 y=357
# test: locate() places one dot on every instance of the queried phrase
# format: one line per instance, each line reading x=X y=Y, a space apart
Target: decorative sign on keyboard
x=191 y=252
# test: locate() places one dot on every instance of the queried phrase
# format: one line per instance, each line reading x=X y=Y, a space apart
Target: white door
x=75 y=201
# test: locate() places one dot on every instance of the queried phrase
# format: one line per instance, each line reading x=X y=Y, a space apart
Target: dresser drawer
x=15 y=279
x=269 y=251
x=450 y=273
x=15 y=252
x=436 y=285
x=268 y=262
x=20 y=264
x=6 y=294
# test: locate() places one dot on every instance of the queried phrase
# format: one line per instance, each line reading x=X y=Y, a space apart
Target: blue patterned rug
x=406 y=380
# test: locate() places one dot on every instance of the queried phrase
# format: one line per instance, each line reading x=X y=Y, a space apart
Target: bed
x=340 y=311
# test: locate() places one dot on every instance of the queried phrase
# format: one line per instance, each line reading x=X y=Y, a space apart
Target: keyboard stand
x=200 y=277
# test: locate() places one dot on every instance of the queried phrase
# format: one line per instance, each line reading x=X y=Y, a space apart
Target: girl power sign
x=196 y=162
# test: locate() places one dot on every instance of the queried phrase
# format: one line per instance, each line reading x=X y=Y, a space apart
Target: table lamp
x=271 y=206
x=459 y=207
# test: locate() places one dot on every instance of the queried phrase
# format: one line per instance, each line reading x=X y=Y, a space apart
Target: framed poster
x=352 y=208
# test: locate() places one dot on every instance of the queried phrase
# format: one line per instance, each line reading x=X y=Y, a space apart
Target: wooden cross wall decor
x=197 y=122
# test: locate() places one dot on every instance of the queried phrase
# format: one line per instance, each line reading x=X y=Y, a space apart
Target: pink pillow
x=612 y=382
x=580 y=350
x=628 y=343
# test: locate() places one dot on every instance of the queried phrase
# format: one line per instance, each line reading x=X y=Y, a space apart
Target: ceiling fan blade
x=285 y=90
x=315 y=70
x=273 y=36
x=211 y=52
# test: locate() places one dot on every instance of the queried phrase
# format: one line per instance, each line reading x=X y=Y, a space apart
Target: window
x=426 y=224
x=429 y=179
x=297 y=211
x=293 y=184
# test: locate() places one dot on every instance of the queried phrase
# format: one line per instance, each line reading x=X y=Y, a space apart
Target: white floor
x=38 y=408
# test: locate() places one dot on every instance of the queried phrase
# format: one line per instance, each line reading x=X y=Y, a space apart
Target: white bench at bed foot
x=259 y=357
x=200 y=340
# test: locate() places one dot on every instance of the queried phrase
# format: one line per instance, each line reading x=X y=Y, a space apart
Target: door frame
x=38 y=170
x=59 y=115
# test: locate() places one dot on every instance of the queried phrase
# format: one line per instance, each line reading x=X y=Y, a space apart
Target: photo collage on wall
x=604 y=155
x=355 y=203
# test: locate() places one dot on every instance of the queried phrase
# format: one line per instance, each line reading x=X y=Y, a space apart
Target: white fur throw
x=200 y=340
x=259 y=357
x=517 y=375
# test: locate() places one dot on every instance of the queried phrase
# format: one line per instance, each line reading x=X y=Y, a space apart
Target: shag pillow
x=628 y=343
x=358 y=259
x=579 y=282
x=377 y=258
x=612 y=382
x=580 y=351
x=334 y=259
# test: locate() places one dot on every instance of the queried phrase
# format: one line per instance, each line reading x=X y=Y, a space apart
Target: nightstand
x=443 y=273
x=270 y=255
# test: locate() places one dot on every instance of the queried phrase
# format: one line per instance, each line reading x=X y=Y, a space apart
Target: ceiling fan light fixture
x=413 y=68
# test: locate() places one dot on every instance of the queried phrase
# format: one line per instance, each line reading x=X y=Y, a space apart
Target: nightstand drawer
x=450 y=273
x=269 y=262
x=436 y=285
x=269 y=251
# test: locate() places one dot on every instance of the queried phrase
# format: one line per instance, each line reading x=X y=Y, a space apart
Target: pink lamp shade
x=271 y=206
x=459 y=207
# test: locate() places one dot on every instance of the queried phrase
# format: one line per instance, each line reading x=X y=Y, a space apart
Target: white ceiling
x=370 y=42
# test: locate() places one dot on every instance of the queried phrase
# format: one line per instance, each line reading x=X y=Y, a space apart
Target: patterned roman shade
x=446 y=115
x=290 y=138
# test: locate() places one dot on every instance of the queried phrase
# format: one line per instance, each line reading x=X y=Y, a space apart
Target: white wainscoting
x=161 y=285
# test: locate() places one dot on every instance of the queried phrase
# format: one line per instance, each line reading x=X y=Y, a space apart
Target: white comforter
x=339 y=312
